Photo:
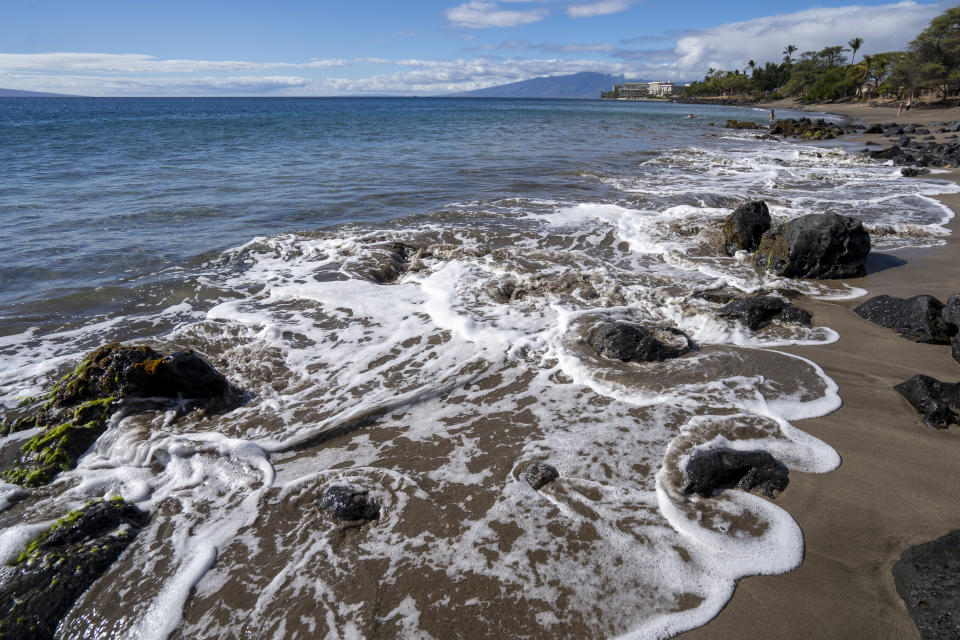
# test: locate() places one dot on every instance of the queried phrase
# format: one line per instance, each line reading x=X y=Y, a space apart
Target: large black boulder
x=937 y=401
x=633 y=343
x=758 y=312
x=818 y=245
x=710 y=470
x=744 y=227
x=75 y=412
x=56 y=568
x=918 y=318
x=349 y=503
x=927 y=577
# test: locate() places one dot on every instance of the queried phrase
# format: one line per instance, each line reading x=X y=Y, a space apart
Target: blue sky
x=321 y=47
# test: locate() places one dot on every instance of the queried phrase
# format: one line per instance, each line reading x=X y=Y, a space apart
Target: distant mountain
x=583 y=85
x=16 y=93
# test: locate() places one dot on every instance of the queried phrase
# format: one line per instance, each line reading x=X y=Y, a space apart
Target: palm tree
x=854 y=45
x=788 y=51
x=752 y=65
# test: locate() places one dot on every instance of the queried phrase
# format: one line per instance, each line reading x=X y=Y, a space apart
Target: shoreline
x=890 y=492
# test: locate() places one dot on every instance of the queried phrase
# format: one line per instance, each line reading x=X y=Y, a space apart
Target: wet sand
x=896 y=485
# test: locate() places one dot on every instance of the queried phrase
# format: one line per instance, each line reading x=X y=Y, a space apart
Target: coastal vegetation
x=929 y=67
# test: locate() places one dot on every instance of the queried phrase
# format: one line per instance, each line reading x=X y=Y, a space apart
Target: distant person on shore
x=909 y=104
x=771 y=115
x=900 y=109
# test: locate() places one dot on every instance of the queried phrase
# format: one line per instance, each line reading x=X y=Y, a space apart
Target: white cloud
x=477 y=14
x=84 y=85
x=883 y=28
x=140 y=63
x=602 y=8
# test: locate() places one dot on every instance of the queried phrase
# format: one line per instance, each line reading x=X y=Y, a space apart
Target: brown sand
x=871 y=115
x=897 y=484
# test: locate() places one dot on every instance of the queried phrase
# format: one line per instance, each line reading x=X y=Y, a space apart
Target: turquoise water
x=97 y=192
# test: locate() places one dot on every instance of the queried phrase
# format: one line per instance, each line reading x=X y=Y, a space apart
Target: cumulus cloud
x=85 y=85
x=140 y=63
x=883 y=28
x=602 y=8
x=478 y=14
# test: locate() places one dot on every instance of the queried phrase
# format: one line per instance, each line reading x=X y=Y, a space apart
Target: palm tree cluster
x=931 y=63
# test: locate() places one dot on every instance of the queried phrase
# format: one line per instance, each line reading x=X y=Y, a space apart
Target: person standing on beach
x=900 y=109
x=771 y=115
x=909 y=104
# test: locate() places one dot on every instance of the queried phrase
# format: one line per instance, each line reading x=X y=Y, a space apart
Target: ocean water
x=404 y=288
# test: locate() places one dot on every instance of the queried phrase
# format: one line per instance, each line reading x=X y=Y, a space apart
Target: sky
x=431 y=47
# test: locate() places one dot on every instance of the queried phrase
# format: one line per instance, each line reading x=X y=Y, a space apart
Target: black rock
x=911 y=172
x=43 y=584
x=756 y=313
x=927 y=577
x=539 y=474
x=918 y=318
x=712 y=469
x=886 y=154
x=937 y=401
x=349 y=503
x=903 y=141
x=951 y=311
x=819 y=245
x=744 y=227
x=874 y=129
x=633 y=343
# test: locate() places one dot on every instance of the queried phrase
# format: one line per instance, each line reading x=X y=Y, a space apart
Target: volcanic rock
x=349 y=503
x=918 y=318
x=633 y=343
x=57 y=567
x=712 y=469
x=937 y=401
x=758 y=312
x=539 y=474
x=819 y=245
x=927 y=577
x=744 y=227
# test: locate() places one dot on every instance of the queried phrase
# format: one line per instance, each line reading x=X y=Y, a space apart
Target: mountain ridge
x=578 y=86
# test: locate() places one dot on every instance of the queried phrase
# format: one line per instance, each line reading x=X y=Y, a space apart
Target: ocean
x=404 y=289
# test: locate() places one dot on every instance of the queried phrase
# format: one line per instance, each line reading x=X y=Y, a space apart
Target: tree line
x=931 y=64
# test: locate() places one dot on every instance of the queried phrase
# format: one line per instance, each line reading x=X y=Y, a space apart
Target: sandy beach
x=894 y=487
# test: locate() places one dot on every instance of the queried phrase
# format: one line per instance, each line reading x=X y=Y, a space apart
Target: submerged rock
x=757 y=313
x=927 y=577
x=819 y=245
x=633 y=343
x=76 y=411
x=58 y=566
x=918 y=318
x=912 y=172
x=712 y=469
x=349 y=503
x=540 y=474
x=744 y=227
x=936 y=401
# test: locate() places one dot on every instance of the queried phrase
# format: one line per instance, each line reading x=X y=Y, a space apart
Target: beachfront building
x=638 y=90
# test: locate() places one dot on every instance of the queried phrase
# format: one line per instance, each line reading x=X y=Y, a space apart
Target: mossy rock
x=75 y=412
x=61 y=563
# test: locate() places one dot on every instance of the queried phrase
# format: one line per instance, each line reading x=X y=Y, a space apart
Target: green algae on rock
x=61 y=563
x=75 y=412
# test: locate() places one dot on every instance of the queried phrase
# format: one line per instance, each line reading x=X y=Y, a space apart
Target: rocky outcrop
x=922 y=153
x=539 y=475
x=736 y=124
x=913 y=172
x=936 y=401
x=927 y=577
x=808 y=129
x=819 y=245
x=57 y=567
x=758 y=312
x=76 y=411
x=919 y=318
x=349 y=503
x=744 y=227
x=633 y=343
x=951 y=317
x=711 y=470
